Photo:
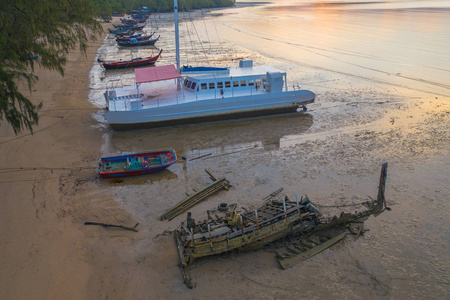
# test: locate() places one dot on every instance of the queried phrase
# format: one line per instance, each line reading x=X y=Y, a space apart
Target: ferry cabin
x=246 y=80
x=239 y=81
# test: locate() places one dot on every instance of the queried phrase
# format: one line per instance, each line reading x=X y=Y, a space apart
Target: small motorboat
x=136 y=163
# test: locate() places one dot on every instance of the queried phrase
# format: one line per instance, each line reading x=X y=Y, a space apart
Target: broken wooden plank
x=273 y=194
x=213 y=178
x=286 y=263
x=195 y=198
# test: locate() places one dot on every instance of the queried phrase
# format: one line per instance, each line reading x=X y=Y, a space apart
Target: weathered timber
x=112 y=225
x=288 y=262
x=195 y=199
x=211 y=175
x=273 y=194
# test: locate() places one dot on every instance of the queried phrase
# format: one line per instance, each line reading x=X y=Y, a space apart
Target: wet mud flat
x=334 y=165
x=332 y=153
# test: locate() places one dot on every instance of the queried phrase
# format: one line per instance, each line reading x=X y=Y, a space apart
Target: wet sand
x=333 y=154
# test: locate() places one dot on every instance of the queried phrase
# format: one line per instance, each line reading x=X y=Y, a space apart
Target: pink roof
x=159 y=73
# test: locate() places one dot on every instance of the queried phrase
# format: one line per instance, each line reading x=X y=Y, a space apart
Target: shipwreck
x=279 y=219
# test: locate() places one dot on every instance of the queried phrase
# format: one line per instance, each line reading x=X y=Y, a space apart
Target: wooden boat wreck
x=135 y=163
x=273 y=221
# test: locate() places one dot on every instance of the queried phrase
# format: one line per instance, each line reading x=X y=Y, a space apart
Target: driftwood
x=112 y=225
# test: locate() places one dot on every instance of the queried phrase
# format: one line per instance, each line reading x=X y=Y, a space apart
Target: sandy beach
x=43 y=250
x=373 y=106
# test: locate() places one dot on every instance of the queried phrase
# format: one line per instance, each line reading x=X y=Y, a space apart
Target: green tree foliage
x=103 y=9
x=124 y=6
x=37 y=32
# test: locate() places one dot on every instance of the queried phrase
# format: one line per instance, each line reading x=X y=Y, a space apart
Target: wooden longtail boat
x=134 y=42
x=120 y=31
x=130 y=27
x=275 y=220
x=138 y=37
x=135 y=163
x=135 y=62
x=129 y=21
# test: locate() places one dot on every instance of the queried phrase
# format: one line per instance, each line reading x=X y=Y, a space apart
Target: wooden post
x=192 y=236
x=257 y=224
x=298 y=206
x=242 y=226
x=285 y=212
x=210 y=237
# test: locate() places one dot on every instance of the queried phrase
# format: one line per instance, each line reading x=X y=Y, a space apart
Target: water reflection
x=213 y=139
x=401 y=43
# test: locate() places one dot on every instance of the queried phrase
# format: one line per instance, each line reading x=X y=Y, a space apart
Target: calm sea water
x=381 y=72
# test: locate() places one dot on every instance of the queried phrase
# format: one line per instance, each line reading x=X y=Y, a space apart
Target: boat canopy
x=152 y=74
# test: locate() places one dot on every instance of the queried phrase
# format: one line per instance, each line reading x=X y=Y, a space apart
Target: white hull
x=210 y=110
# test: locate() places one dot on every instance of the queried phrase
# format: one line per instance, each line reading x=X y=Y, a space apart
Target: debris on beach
x=197 y=197
x=114 y=226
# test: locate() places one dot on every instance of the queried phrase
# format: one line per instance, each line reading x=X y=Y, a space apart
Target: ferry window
x=227 y=84
x=220 y=85
x=204 y=86
x=243 y=83
x=193 y=85
x=235 y=83
x=258 y=82
x=264 y=79
x=212 y=85
x=188 y=85
x=251 y=82
x=185 y=82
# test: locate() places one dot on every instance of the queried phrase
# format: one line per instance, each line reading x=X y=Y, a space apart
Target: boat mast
x=177 y=42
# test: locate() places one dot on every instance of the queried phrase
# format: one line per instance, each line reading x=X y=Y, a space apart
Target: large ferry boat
x=165 y=96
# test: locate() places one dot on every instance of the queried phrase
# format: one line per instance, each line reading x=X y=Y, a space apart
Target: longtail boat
x=129 y=21
x=136 y=163
x=138 y=37
x=274 y=220
x=131 y=27
x=134 y=42
x=135 y=62
x=121 y=31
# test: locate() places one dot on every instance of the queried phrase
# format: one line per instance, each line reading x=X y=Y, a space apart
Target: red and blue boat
x=136 y=163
